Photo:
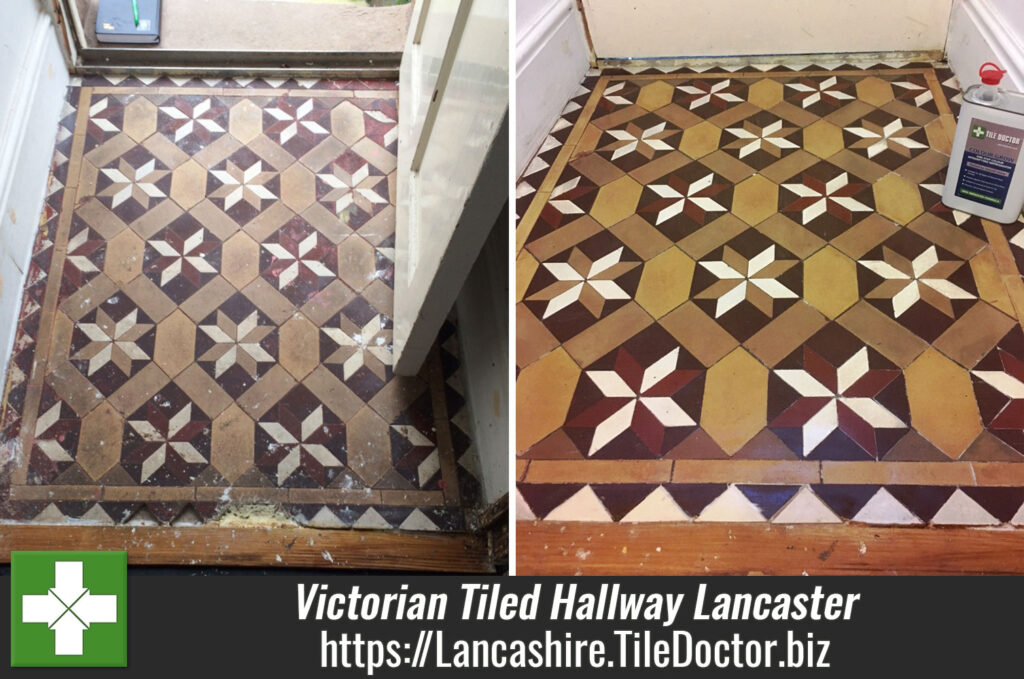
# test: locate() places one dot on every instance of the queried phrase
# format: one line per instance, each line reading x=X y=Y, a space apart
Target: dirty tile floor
x=206 y=325
x=740 y=299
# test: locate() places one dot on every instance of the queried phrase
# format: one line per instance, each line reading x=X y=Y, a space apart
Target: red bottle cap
x=990 y=76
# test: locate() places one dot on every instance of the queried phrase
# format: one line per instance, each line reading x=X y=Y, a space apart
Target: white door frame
x=436 y=247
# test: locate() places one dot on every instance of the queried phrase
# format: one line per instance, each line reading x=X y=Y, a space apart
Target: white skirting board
x=551 y=59
x=980 y=31
x=28 y=129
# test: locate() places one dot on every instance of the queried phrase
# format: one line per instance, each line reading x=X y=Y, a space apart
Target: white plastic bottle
x=984 y=176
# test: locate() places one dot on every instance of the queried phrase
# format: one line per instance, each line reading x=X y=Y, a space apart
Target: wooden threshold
x=554 y=548
x=261 y=547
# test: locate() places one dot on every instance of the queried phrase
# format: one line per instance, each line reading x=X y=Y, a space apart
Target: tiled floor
x=741 y=299
x=207 y=317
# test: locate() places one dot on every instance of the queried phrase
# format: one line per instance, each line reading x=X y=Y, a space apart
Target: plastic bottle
x=984 y=176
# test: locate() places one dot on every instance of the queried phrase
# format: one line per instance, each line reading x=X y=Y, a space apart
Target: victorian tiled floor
x=207 y=323
x=741 y=299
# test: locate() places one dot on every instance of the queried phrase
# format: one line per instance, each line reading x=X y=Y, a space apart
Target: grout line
x=938 y=94
x=445 y=446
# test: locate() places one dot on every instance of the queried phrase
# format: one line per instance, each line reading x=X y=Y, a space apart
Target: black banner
x=289 y=623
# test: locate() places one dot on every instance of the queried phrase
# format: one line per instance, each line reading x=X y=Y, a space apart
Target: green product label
x=69 y=609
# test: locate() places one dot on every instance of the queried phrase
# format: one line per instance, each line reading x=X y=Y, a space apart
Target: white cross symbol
x=68 y=608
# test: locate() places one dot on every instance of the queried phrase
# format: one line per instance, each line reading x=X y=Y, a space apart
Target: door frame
x=420 y=310
x=85 y=59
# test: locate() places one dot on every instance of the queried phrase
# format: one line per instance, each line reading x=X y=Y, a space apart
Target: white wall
x=987 y=30
x=677 y=28
x=482 y=309
x=551 y=59
x=33 y=82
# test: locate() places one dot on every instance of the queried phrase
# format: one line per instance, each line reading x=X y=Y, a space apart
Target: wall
x=987 y=30
x=33 y=81
x=484 y=344
x=674 y=28
x=551 y=59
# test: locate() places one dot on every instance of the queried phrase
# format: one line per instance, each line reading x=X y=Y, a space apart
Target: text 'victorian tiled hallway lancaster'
x=741 y=299
x=207 y=320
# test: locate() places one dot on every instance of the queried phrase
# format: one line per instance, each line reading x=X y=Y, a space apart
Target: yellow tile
x=298 y=346
x=755 y=199
x=175 y=343
x=616 y=201
x=897 y=198
x=654 y=96
x=140 y=119
x=989 y=281
x=543 y=393
x=124 y=257
x=823 y=139
x=735 y=400
x=526 y=266
x=587 y=141
x=874 y=91
x=700 y=140
x=188 y=184
x=765 y=93
x=99 y=444
x=600 y=471
x=940 y=133
x=245 y=122
x=298 y=187
x=830 y=281
x=698 y=333
x=942 y=404
x=240 y=260
x=665 y=283
x=347 y=123
x=233 y=442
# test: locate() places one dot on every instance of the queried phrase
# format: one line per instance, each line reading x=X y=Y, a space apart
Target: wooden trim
x=554 y=548
x=261 y=547
x=586 y=33
x=493 y=513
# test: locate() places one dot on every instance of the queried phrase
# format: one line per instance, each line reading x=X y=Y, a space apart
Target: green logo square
x=978 y=132
x=69 y=609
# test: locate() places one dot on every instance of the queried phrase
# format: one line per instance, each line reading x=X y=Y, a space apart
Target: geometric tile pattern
x=740 y=298
x=207 y=317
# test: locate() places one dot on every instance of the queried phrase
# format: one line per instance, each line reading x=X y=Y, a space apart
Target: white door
x=452 y=160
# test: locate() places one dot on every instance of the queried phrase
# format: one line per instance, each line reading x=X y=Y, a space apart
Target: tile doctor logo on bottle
x=69 y=609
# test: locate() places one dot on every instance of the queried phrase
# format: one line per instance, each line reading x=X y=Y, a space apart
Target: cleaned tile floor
x=207 y=317
x=741 y=299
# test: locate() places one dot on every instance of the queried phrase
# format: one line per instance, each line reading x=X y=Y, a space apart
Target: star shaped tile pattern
x=639 y=141
x=679 y=203
x=840 y=411
x=112 y=343
x=588 y=282
x=167 y=438
x=811 y=336
x=826 y=200
x=634 y=401
x=221 y=330
x=182 y=258
x=746 y=283
x=921 y=285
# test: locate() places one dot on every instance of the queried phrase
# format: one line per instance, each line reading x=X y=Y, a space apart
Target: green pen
x=135 y=12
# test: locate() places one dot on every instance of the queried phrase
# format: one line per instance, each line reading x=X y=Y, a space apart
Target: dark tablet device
x=116 y=21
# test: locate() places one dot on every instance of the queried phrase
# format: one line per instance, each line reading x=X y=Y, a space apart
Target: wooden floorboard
x=553 y=548
x=260 y=547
